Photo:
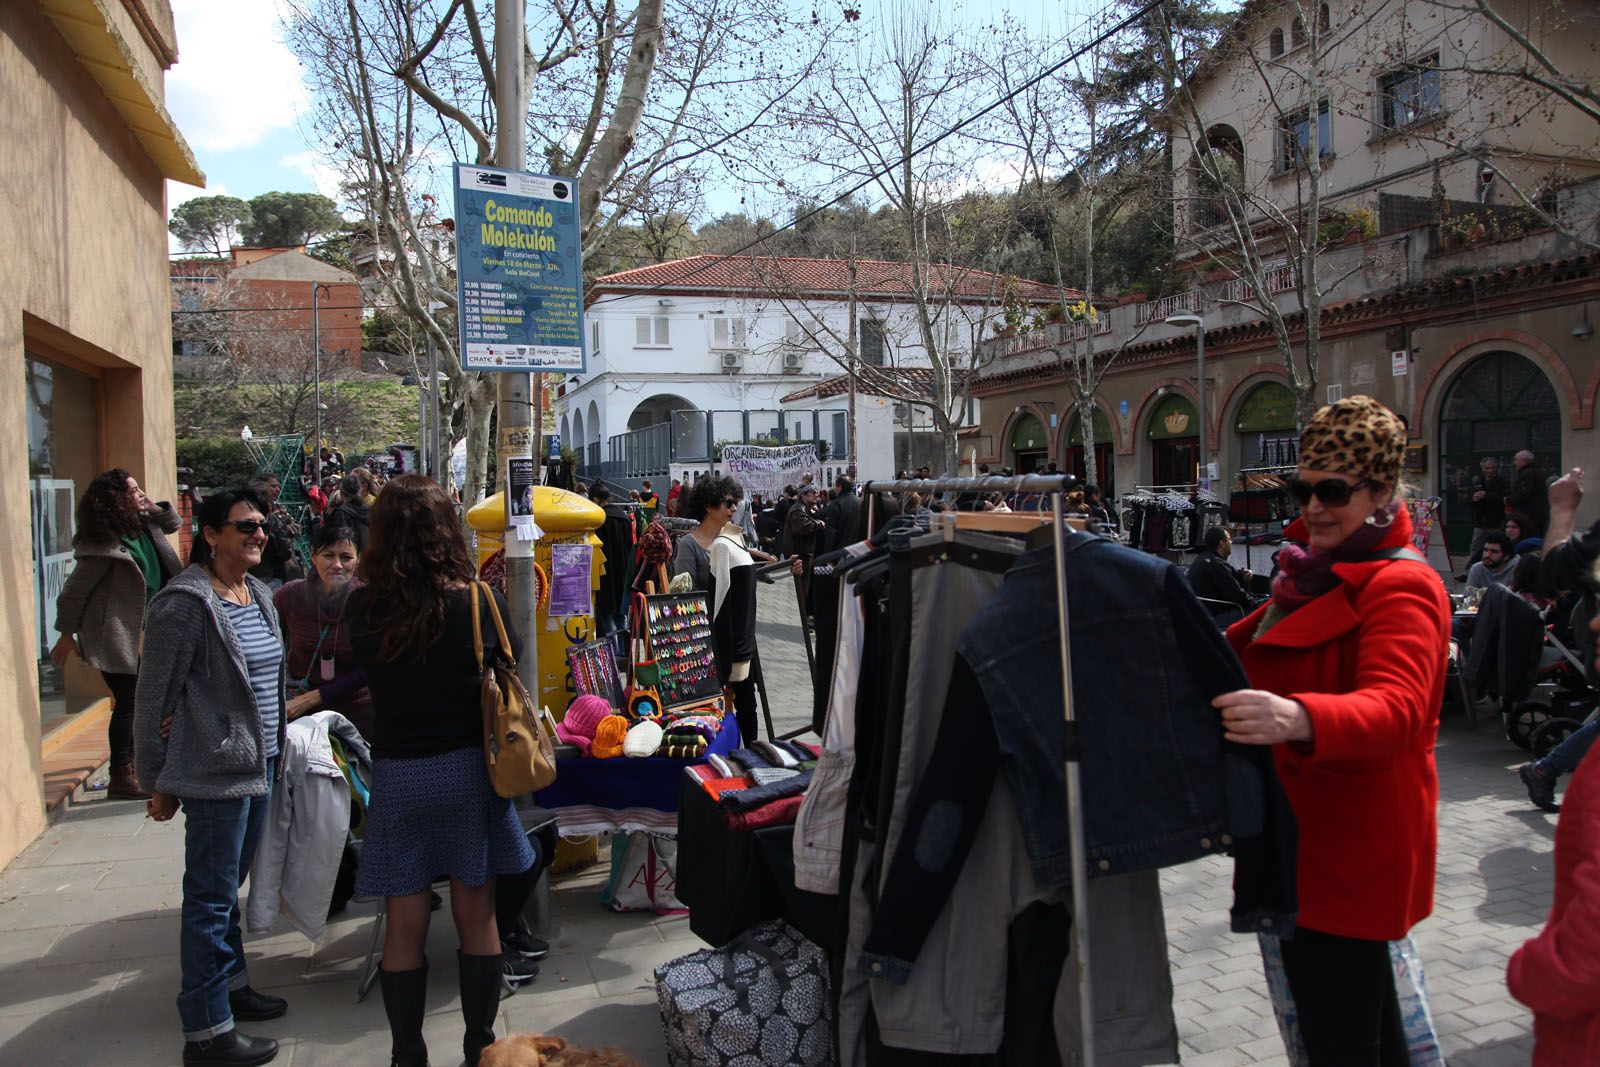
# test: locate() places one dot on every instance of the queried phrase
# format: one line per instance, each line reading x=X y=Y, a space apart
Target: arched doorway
x=1028 y=446
x=1265 y=425
x=654 y=410
x=1500 y=404
x=1073 y=460
x=1173 y=431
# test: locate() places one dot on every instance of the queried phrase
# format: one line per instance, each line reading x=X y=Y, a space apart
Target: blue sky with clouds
x=237 y=95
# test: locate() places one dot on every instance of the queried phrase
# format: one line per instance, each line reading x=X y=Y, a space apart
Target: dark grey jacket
x=102 y=601
x=194 y=670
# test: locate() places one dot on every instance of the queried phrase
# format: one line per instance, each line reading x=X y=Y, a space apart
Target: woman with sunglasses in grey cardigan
x=207 y=734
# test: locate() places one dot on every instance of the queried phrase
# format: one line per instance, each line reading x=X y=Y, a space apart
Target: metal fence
x=695 y=436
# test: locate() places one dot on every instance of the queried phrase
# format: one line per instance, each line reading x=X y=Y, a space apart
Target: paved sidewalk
x=89 y=931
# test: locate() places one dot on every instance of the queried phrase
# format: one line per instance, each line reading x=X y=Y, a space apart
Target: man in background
x=1488 y=505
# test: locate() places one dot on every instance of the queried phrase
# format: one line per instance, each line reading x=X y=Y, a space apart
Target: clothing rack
x=1244 y=482
x=1056 y=486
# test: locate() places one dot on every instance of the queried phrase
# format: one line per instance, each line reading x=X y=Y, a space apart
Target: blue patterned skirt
x=436 y=816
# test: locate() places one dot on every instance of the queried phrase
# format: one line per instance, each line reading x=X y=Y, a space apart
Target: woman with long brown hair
x=433 y=809
x=121 y=558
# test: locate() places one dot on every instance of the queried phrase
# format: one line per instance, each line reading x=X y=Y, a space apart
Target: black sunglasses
x=1333 y=492
x=729 y=502
x=248 y=527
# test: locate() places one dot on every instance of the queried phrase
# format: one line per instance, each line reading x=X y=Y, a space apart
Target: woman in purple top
x=322 y=668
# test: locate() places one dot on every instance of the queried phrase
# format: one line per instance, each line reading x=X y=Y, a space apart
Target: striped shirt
x=262 y=654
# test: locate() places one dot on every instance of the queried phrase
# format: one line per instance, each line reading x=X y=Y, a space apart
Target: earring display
x=677 y=633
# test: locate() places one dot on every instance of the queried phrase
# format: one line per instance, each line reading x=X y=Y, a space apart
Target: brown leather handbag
x=519 y=754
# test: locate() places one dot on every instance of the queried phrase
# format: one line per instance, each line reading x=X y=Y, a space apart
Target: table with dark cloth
x=732 y=879
x=592 y=796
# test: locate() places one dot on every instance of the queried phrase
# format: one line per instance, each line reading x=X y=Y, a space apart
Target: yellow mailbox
x=565 y=518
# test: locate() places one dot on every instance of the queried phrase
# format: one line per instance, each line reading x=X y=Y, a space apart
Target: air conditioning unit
x=732 y=362
x=794 y=361
x=902 y=413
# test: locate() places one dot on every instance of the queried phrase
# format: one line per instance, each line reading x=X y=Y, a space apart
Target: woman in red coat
x=1557 y=974
x=1348 y=661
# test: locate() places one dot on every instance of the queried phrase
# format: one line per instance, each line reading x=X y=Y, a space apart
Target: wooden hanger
x=1010 y=521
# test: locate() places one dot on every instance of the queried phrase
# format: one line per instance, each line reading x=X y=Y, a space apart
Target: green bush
x=216 y=461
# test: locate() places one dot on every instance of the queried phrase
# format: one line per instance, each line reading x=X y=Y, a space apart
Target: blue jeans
x=1565 y=757
x=219 y=844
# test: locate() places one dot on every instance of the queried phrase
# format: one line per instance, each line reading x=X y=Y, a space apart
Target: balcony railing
x=1048 y=336
x=1159 y=310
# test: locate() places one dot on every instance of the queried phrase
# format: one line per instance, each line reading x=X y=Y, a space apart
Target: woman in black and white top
x=713 y=554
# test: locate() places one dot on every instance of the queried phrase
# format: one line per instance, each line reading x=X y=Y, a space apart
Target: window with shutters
x=871 y=342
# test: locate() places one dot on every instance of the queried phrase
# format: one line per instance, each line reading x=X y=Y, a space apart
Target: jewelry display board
x=595 y=670
x=677 y=630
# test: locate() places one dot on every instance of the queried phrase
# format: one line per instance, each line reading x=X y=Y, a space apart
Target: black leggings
x=1344 y=993
x=122 y=688
x=744 y=710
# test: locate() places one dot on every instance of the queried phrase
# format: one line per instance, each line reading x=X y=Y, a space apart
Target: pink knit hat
x=583 y=716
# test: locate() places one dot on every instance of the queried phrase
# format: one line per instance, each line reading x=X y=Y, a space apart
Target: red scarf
x=1305 y=574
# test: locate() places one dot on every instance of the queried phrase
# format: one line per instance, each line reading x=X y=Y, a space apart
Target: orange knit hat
x=608 y=737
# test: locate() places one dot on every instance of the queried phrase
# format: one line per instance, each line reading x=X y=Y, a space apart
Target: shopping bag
x=643 y=874
x=759 y=1001
x=1422 y=1042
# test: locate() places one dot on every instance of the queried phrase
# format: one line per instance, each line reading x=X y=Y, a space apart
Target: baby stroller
x=1543 y=692
x=1569 y=700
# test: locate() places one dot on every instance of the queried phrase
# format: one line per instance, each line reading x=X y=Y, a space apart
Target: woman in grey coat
x=121 y=558
x=209 y=727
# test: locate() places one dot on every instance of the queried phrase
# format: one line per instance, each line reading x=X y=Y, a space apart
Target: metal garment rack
x=1055 y=485
x=1244 y=482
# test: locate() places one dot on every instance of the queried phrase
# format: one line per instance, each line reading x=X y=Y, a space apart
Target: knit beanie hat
x=577 y=727
x=644 y=737
x=1357 y=437
x=608 y=737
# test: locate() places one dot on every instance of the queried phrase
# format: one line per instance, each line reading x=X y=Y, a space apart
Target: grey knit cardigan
x=102 y=601
x=194 y=670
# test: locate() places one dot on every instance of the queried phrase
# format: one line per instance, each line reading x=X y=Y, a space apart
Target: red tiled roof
x=873 y=381
x=815 y=277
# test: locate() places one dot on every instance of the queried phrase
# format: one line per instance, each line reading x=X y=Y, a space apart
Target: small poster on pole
x=570 y=566
x=521 y=475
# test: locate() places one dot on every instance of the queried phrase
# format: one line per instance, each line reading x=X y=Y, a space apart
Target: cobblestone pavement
x=89 y=927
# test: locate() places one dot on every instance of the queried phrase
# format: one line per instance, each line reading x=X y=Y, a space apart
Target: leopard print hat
x=1357 y=437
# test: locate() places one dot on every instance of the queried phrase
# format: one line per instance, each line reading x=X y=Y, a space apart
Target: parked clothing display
x=1170 y=519
x=944 y=722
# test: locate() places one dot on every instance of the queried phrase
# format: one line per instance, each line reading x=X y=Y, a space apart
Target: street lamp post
x=316 y=382
x=1189 y=319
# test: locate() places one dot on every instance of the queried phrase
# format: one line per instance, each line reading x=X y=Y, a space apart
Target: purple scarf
x=1305 y=574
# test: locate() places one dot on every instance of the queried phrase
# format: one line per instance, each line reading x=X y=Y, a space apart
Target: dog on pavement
x=542 y=1050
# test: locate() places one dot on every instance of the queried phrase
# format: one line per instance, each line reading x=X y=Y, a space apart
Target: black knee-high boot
x=480 y=1002
x=405 y=995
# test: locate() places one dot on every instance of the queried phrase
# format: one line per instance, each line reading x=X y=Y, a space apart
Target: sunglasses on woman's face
x=248 y=527
x=730 y=503
x=1332 y=492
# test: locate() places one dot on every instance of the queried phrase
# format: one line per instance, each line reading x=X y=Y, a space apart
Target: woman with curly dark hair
x=433 y=809
x=121 y=558
x=711 y=502
x=715 y=557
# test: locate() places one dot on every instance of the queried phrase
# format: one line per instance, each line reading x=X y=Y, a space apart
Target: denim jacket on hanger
x=1161 y=786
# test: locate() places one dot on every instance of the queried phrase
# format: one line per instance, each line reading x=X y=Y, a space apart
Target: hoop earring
x=1388 y=519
